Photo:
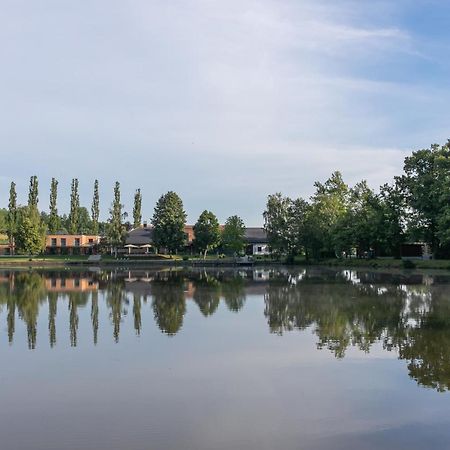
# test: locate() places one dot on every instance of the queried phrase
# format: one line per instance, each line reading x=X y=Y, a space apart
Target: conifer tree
x=137 y=214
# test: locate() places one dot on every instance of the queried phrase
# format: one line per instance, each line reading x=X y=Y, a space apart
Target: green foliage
x=84 y=221
x=168 y=221
x=3 y=220
x=329 y=205
x=33 y=193
x=11 y=219
x=276 y=222
x=207 y=232
x=233 y=235
x=285 y=221
x=95 y=209
x=74 y=208
x=426 y=186
x=115 y=228
x=137 y=214
x=54 y=221
x=30 y=231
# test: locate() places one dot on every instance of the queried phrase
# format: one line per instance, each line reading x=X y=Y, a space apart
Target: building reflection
x=408 y=314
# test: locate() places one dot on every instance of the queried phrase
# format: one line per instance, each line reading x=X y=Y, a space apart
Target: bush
x=408 y=264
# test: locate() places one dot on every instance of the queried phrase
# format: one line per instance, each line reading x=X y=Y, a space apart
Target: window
x=53 y=242
x=63 y=282
x=259 y=249
x=63 y=242
x=76 y=282
x=77 y=242
x=91 y=241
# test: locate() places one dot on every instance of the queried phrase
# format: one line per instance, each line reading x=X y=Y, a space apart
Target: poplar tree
x=33 y=198
x=12 y=215
x=95 y=208
x=74 y=207
x=115 y=221
x=53 y=220
x=137 y=214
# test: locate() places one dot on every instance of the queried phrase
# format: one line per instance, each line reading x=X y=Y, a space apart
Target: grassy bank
x=107 y=260
x=387 y=263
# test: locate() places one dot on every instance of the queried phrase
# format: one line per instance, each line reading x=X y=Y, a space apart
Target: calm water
x=220 y=359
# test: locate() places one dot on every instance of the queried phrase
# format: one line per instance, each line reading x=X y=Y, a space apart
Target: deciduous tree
x=168 y=221
x=207 y=232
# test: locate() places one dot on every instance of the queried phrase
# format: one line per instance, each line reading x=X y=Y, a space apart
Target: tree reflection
x=94 y=316
x=52 y=309
x=233 y=291
x=207 y=293
x=408 y=314
x=168 y=303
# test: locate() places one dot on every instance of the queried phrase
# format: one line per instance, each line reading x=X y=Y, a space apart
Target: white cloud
x=211 y=97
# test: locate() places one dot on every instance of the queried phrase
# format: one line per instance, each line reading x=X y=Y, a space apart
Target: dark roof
x=140 y=236
x=144 y=235
x=254 y=235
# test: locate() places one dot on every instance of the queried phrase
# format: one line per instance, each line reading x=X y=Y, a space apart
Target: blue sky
x=223 y=102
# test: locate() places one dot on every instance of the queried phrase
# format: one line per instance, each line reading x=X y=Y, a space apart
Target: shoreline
x=18 y=262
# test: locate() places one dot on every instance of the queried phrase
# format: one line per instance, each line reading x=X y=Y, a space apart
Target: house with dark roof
x=140 y=240
x=257 y=242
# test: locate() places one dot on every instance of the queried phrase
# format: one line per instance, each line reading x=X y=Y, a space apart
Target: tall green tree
x=95 y=209
x=233 y=235
x=84 y=221
x=329 y=205
x=12 y=215
x=284 y=222
x=427 y=189
x=33 y=192
x=276 y=222
x=137 y=214
x=54 y=221
x=115 y=228
x=168 y=221
x=74 y=207
x=29 y=235
x=207 y=232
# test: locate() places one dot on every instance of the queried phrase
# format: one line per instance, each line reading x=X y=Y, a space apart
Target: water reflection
x=406 y=313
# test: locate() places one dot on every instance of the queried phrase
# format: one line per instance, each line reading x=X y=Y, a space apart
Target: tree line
x=339 y=219
x=26 y=226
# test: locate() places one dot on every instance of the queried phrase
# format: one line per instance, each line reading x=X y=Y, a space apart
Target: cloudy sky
x=224 y=102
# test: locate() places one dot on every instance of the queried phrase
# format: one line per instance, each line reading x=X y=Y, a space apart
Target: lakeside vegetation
x=338 y=221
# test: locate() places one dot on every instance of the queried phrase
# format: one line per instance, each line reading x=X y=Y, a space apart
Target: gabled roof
x=140 y=236
x=255 y=235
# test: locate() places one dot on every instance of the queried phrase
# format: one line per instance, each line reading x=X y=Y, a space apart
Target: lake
x=265 y=358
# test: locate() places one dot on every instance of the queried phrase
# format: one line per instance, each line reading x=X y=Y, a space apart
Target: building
x=70 y=284
x=257 y=242
x=415 y=250
x=71 y=244
x=140 y=240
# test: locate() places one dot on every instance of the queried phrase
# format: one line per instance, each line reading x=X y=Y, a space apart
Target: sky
x=223 y=102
